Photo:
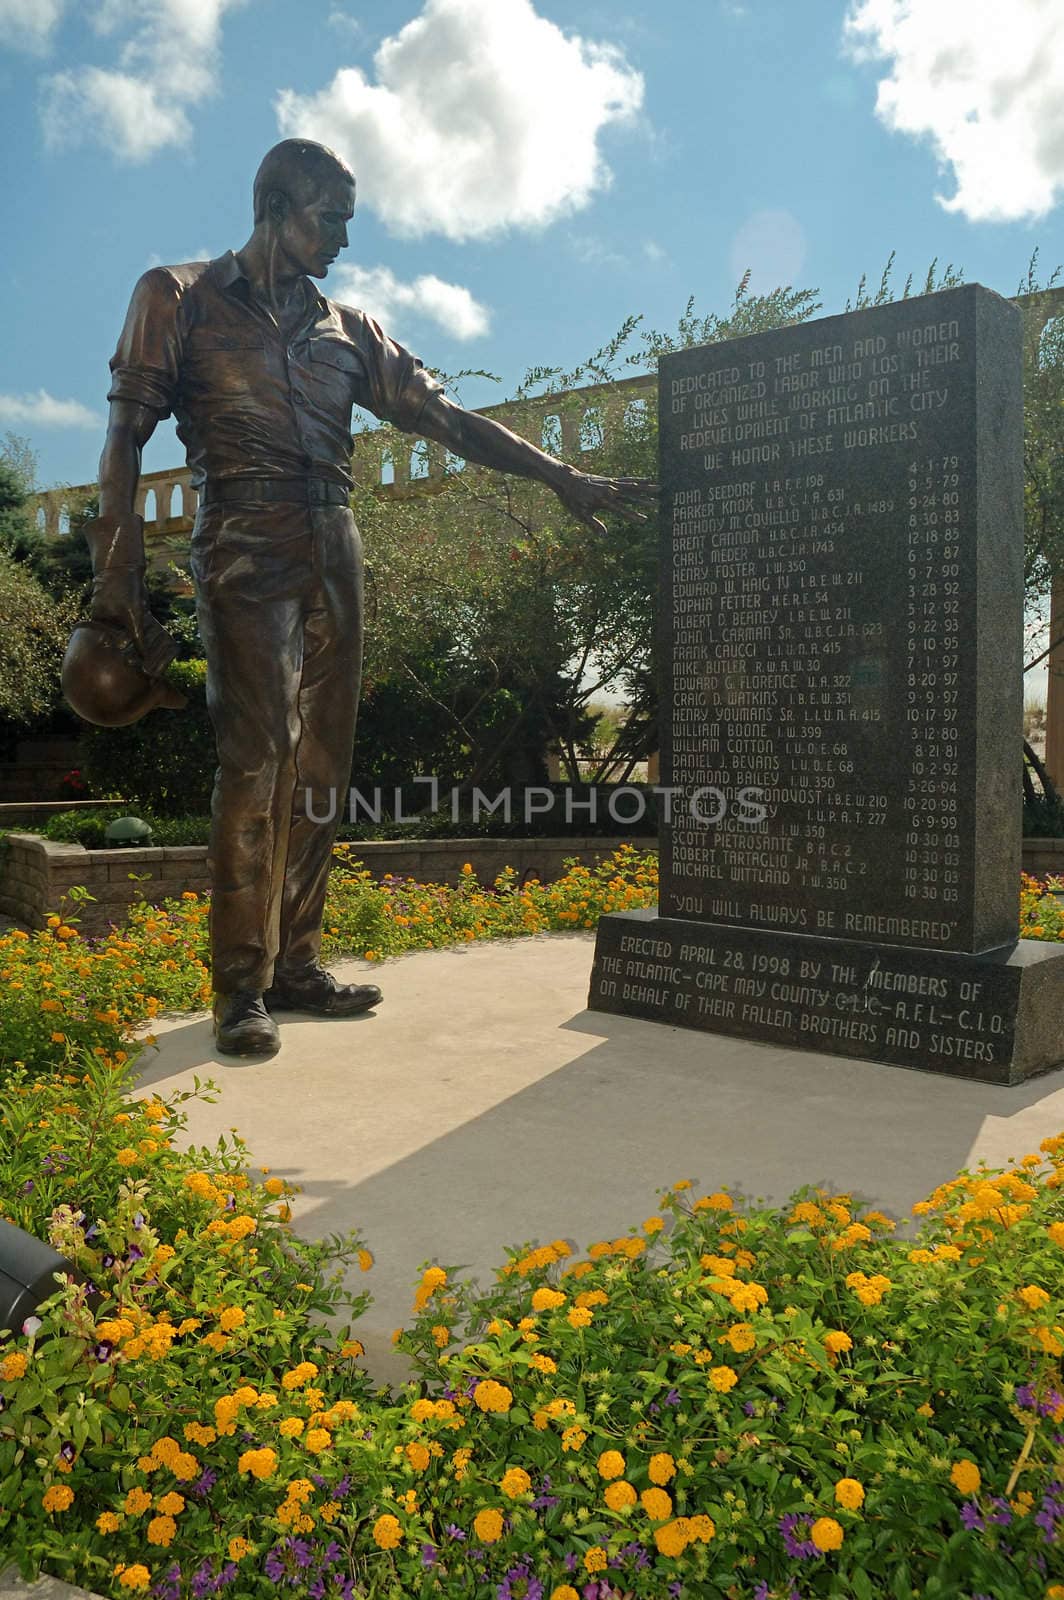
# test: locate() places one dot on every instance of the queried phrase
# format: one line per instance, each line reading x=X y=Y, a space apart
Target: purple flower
x=274 y=1567
x=544 y=1499
x=518 y=1584
x=797 y=1549
x=749 y=1407
x=428 y=1555
x=67 y=1451
x=138 y=1221
x=205 y=1483
x=107 y=1261
x=1025 y=1397
x=201 y=1580
x=762 y=1591
x=1001 y=1513
x=28 y=1187
x=104 y=1350
x=970 y=1515
x=673 y=1397
x=343 y=1488
x=135 y=1253
x=454 y=1532
x=168 y=1586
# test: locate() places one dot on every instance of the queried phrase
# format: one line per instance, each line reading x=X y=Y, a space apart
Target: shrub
x=88 y=827
x=728 y=1400
x=164 y=763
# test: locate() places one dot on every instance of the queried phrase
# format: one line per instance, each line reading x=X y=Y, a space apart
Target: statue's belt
x=297 y=491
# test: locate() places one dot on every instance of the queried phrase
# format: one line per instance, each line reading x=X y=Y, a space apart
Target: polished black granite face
x=995 y=1017
x=842 y=621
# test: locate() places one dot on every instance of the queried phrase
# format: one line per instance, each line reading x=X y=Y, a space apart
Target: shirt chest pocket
x=225 y=361
x=336 y=370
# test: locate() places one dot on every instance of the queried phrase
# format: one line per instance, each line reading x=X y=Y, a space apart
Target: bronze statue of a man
x=261 y=373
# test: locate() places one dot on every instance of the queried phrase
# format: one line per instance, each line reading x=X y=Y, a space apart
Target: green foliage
x=729 y=1399
x=498 y=620
x=177 y=1254
x=164 y=763
x=1043 y=446
x=33 y=633
x=88 y=826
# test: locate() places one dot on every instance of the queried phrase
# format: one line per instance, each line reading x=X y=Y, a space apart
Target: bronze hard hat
x=104 y=681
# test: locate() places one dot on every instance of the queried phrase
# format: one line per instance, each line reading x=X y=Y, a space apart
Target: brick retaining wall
x=1043 y=857
x=35 y=873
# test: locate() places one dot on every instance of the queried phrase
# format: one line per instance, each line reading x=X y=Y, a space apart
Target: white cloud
x=345 y=23
x=384 y=296
x=167 y=65
x=483 y=116
x=43 y=410
x=29 y=24
x=985 y=83
x=772 y=244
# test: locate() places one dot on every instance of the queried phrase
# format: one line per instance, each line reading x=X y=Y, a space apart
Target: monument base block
x=997 y=1017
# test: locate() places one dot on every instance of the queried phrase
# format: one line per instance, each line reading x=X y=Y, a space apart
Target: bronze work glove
x=119 y=593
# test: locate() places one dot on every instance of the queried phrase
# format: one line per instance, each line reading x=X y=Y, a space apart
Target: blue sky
x=531 y=171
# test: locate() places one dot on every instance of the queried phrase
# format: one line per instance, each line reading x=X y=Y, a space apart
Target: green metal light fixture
x=129 y=833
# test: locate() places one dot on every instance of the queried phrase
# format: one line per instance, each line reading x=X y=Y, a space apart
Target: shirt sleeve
x=146 y=365
x=398 y=384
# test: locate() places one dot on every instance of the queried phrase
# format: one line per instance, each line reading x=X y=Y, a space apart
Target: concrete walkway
x=483 y=1105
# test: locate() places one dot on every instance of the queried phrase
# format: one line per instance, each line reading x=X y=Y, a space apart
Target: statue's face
x=314 y=234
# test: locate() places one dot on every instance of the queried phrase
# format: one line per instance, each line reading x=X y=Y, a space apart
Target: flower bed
x=62 y=993
x=727 y=1400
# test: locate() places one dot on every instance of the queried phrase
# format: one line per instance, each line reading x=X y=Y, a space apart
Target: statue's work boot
x=317 y=991
x=243 y=1026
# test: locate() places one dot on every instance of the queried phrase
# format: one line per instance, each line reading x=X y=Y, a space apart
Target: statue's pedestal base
x=997 y=1017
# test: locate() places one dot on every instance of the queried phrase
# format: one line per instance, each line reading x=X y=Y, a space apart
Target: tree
x=33 y=633
x=503 y=618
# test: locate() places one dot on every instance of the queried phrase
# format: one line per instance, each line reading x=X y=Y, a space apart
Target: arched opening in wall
x=151 y=512
x=1051 y=345
x=41 y=520
x=387 y=468
x=635 y=414
x=591 y=436
x=453 y=463
x=551 y=435
x=419 y=460
x=176 y=502
x=63 y=524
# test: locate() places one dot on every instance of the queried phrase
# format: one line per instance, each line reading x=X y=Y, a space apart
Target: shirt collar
x=227 y=271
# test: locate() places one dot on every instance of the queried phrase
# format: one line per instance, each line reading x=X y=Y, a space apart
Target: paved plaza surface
x=484 y=1105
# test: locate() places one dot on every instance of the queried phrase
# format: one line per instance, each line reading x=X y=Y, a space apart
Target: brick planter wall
x=1042 y=857
x=35 y=873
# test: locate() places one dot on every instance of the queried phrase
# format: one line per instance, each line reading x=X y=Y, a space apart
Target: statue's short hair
x=297 y=168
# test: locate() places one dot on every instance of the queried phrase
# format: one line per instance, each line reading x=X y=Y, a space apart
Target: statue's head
x=305 y=197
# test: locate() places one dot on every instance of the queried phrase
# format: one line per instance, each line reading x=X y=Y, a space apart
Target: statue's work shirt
x=249 y=402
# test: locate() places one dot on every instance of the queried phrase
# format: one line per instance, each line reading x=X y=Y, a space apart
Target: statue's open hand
x=584 y=493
